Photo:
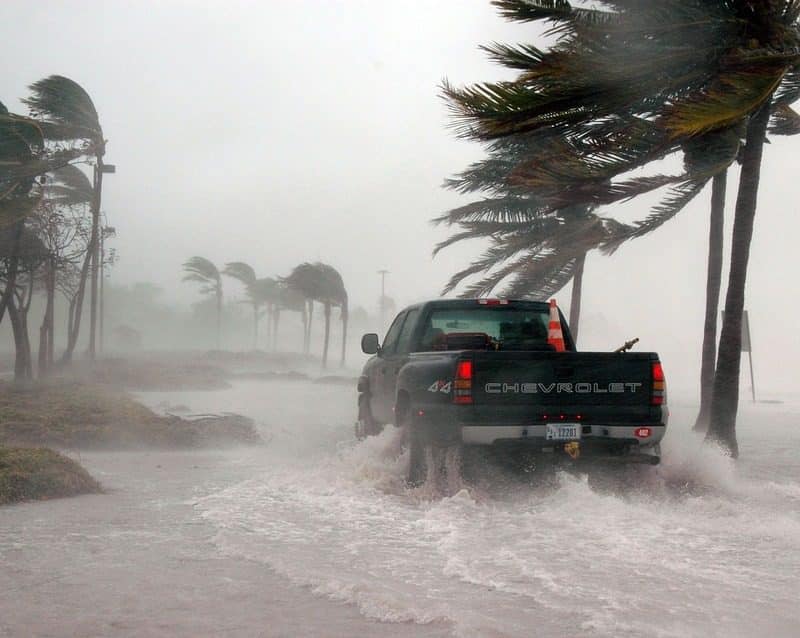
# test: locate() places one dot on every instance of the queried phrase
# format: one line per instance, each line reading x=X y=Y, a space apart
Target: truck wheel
x=366 y=425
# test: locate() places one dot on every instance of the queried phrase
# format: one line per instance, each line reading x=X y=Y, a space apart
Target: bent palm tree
x=305 y=280
x=204 y=272
x=322 y=283
x=245 y=274
x=66 y=113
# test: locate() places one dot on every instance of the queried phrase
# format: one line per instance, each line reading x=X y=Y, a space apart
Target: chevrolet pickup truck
x=483 y=372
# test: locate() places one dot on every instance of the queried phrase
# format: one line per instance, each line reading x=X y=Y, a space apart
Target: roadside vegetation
x=28 y=474
x=81 y=416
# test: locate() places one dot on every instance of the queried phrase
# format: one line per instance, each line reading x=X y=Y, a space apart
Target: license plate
x=563 y=432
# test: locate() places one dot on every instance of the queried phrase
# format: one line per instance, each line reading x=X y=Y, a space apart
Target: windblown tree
x=321 y=283
x=627 y=84
x=245 y=274
x=204 y=272
x=66 y=114
x=266 y=292
x=305 y=280
x=61 y=223
x=289 y=299
x=535 y=248
x=334 y=295
x=24 y=159
x=30 y=253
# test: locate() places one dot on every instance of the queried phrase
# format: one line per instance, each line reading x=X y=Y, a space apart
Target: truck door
x=378 y=380
x=399 y=357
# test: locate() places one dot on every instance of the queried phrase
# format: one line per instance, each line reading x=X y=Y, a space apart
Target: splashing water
x=700 y=545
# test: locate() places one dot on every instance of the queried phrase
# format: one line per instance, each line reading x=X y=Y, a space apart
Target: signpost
x=747 y=346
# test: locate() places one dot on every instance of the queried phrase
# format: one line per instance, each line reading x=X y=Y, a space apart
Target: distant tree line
x=306 y=284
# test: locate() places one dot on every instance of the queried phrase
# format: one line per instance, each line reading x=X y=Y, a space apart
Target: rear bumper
x=537 y=434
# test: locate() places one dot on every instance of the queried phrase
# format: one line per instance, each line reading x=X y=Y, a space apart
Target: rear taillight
x=462 y=385
x=659 y=385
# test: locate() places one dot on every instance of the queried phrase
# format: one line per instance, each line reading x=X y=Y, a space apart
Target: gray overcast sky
x=278 y=132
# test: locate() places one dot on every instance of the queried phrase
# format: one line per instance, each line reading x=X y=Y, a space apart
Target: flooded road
x=315 y=534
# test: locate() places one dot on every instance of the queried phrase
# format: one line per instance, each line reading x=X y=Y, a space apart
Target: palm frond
x=784 y=121
x=241 y=272
x=64 y=105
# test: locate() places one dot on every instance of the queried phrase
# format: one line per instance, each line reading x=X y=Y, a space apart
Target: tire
x=417 y=471
x=440 y=464
x=366 y=425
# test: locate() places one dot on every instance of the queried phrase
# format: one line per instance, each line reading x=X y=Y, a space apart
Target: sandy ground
x=138 y=561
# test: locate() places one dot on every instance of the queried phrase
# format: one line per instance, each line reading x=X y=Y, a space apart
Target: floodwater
x=316 y=534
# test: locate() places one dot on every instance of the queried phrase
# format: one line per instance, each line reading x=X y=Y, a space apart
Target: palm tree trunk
x=725 y=396
x=71 y=316
x=327 y=307
x=255 y=327
x=21 y=352
x=344 y=339
x=51 y=324
x=75 y=326
x=275 y=328
x=310 y=318
x=219 y=319
x=44 y=329
x=575 y=301
x=713 y=285
x=305 y=328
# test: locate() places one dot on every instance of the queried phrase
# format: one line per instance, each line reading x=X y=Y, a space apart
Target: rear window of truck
x=504 y=328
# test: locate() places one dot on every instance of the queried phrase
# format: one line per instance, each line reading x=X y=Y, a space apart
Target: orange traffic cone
x=554 y=335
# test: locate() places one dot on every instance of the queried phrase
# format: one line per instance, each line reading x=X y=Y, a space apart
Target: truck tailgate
x=538 y=386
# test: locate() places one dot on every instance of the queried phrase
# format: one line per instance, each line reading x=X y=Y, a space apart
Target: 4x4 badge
x=441 y=386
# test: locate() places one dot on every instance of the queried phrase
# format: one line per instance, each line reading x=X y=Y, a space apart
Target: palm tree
x=204 y=272
x=636 y=66
x=245 y=274
x=305 y=280
x=335 y=295
x=29 y=253
x=266 y=292
x=322 y=283
x=535 y=255
x=287 y=299
x=549 y=243
x=67 y=113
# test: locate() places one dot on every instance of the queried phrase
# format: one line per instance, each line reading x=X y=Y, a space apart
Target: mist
x=219 y=437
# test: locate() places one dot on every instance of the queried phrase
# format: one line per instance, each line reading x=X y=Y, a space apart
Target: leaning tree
x=66 y=114
x=321 y=283
x=204 y=272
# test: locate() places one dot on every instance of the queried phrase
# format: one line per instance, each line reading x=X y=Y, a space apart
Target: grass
x=90 y=416
x=38 y=473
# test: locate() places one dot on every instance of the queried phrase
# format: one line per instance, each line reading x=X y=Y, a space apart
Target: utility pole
x=107 y=231
x=382 y=304
x=99 y=170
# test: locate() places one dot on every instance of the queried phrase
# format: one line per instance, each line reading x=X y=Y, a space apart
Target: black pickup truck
x=483 y=372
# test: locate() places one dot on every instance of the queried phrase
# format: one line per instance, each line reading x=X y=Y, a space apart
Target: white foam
x=696 y=547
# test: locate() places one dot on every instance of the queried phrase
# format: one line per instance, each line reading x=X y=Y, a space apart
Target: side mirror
x=370 y=343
